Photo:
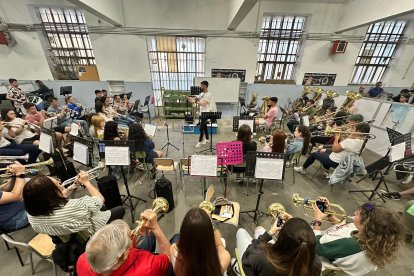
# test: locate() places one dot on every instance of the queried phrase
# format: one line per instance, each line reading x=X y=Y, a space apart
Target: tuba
x=334 y=209
x=317 y=93
x=351 y=97
x=264 y=108
x=331 y=94
x=299 y=102
x=159 y=206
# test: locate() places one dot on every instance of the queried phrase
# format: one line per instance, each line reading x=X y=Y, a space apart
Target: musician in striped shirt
x=51 y=212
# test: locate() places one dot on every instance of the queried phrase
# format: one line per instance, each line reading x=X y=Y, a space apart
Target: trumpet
x=32 y=171
x=11 y=159
x=159 y=206
x=307 y=205
x=71 y=183
x=9 y=124
x=408 y=167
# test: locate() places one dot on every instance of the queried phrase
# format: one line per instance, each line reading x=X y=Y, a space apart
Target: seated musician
x=351 y=145
x=38 y=117
x=12 y=213
x=327 y=102
x=97 y=127
x=15 y=94
x=101 y=111
x=357 y=248
x=268 y=118
x=41 y=90
x=98 y=95
x=300 y=142
x=143 y=142
x=51 y=212
x=111 y=252
x=338 y=120
x=118 y=105
x=295 y=118
x=199 y=249
x=8 y=148
x=125 y=104
x=276 y=143
x=76 y=107
x=293 y=253
x=111 y=132
x=253 y=103
x=19 y=131
x=245 y=136
x=63 y=119
x=115 y=116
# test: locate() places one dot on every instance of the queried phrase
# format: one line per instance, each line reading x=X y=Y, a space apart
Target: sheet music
x=117 y=156
x=397 y=152
x=305 y=120
x=150 y=129
x=246 y=122
x=46 y=143
x=204 y=165
x=81 y=153
x=50 y=122
x=269 y=168
x=74 y=129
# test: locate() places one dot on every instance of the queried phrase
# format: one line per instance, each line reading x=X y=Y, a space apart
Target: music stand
x=228 y=153
x=251 y=172
x=212 y=116
x=236 y=122
x=128 y=197
x=168 y=144
x=90 y=145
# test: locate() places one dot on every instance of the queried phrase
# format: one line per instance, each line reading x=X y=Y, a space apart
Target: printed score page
x=117 y=156
x=81 y=153
x=269 y=168
x=203 y=165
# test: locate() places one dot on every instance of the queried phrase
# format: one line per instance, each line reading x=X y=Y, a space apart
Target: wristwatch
x=22 y=175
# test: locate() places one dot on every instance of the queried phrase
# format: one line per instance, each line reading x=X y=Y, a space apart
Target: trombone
x=159 y=206
x=408 y=167
x=11 y=159
x=368 y=136
x=334 y=209
x=32 y=171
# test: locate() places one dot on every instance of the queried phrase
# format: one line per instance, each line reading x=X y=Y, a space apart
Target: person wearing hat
x=268 y=118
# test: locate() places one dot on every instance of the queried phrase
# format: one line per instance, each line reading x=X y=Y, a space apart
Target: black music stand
x=250 y=172
x=168 y=144
x=90 y=144
x=128 y=197
x=212 y=116
x=236 y=123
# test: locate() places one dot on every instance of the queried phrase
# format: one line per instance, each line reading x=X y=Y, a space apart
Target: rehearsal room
x=207 y=137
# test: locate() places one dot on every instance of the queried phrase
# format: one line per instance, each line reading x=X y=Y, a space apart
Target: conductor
x=206 y=103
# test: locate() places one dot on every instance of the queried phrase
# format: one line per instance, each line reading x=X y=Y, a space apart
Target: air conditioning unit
x=338 y=47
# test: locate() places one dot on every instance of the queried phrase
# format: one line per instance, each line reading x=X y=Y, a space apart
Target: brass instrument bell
x=160 y=206
x=207 y=206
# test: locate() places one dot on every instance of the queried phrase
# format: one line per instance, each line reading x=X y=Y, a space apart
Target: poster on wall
x=396 y=115
x=319 y=79
x=229 y=73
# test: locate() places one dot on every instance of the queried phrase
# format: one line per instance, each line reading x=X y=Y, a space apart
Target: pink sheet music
x=229 y=153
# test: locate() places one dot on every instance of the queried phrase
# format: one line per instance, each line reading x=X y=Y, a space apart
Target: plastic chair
x=166 y=165
x=41 y=245
x=145 y=108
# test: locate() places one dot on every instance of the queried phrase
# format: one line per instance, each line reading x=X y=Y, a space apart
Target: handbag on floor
x=163 y=188
x=108 y=186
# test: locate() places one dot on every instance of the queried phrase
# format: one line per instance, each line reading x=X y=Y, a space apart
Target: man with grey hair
x=110 y=251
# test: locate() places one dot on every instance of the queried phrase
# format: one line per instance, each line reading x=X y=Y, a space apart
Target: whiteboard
x=224 y=90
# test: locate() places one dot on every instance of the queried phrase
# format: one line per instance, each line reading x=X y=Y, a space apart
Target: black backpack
x=163 y=188
x=108 y=186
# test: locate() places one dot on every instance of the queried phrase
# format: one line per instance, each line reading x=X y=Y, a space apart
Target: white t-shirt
x=210 y=106
x=23 y=135
x=3 y=141
x=348 y=146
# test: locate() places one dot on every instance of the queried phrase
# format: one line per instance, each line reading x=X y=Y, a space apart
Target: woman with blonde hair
x=97 y=127
x=357 y=248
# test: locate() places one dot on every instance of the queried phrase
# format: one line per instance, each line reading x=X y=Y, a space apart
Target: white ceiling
x=314 y=1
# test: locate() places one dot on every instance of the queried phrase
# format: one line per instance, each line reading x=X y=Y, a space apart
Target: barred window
x=69 y=40
x=175 y=61
x=380 y=43
x=279 y=45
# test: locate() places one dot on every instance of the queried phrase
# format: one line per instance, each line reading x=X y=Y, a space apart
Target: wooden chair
x=210 y=193
x=236 y=206
x=166 y=165
x=41 y=245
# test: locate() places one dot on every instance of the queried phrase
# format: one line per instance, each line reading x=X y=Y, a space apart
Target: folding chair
x=242 y=165
x=281 y=120
x=141 y=156
x=41 y=245
x=145 y=108
x=294 y=161
x=185 y=166
x=166 y=165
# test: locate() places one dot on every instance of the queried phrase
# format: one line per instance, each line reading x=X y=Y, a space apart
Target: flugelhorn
x=11 y=159
x=46 y=163
x=334 y=209
x=276 y=211
x=159 y=206
x=206 y=206
x=71 y=183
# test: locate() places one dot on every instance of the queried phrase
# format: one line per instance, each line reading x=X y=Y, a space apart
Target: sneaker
x=408 y=179
x=299 y=170
x=199 y=144
x=235 y=266
x=205 y=142
x=392 y=195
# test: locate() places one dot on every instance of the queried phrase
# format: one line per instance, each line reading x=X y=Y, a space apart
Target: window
x=175 y=61
x=69 y=40
x=377 y=50
x=279 y=46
